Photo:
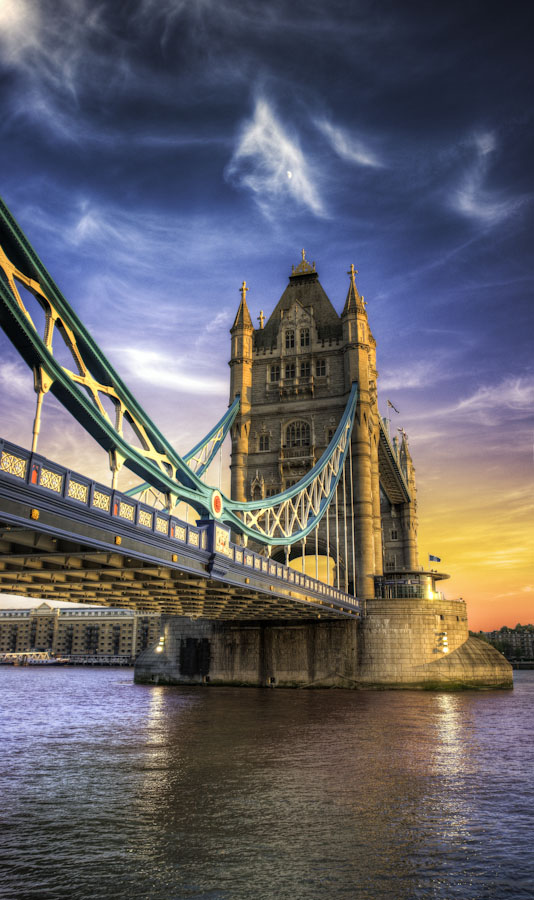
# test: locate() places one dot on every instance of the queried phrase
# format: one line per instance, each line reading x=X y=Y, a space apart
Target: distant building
x=73 y=629
x=514 y=644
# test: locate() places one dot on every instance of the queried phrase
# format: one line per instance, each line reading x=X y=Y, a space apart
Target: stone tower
x=294 y=375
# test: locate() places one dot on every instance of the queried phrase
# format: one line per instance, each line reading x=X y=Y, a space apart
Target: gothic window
x=290 y=339
x=264 y=442
x=320 y=367
x=256 y=492
x=305 y=369
x=304 y=337
x=298 y=434
x=290 y=370
x=394 y=534
x=272 y=491
x=274 y=373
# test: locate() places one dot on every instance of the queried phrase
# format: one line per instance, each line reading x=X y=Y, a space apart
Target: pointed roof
x=243 y=319
x=354 y=303
x=304 y=288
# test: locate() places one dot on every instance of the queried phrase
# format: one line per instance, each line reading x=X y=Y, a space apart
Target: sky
x=159 y=152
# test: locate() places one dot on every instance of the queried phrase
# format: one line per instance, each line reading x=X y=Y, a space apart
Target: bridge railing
x=208 y=537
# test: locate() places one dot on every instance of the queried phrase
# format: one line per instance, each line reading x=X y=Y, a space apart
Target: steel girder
x=280 y=520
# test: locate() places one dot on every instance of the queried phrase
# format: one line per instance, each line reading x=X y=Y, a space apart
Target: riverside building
x=75 y=630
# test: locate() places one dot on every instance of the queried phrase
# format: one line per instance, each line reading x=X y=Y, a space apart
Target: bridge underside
x=61 y=558
x=36 y=565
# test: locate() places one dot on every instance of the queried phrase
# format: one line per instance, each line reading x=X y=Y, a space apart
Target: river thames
x=116 y=790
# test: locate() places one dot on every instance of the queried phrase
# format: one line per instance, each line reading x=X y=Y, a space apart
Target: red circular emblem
x=217 y=504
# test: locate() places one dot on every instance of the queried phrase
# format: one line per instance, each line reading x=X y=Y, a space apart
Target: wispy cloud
x=347 y=146
x=181 y=375
x=420 y=373
x=14 y=378
x=489 y=403
x=270 y=163
x=475 y=201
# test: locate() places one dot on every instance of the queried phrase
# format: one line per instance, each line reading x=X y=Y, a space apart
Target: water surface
x=115 y=790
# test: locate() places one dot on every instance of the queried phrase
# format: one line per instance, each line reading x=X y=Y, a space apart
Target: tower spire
x=354 y=302
x=243 y=318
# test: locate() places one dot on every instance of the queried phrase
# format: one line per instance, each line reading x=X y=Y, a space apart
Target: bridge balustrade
x=208 y=537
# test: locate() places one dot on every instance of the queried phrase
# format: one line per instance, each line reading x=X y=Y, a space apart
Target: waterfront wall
x=398 y=644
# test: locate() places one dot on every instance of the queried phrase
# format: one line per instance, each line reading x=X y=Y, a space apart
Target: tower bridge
x=306 y=574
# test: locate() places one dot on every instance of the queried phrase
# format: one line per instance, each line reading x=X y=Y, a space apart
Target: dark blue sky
x=158 y=152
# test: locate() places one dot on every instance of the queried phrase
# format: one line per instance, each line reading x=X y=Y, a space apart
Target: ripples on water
x=114 y=790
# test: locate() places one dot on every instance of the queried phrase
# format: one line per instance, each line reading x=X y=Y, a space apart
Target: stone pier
x=422 y=644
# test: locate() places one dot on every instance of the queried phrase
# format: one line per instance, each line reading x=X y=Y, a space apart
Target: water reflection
x=167 y=793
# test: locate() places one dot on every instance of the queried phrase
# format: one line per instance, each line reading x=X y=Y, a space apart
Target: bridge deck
x=66 y=537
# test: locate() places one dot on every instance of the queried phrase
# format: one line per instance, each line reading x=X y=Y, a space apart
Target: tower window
x=290 y=370
x=320 y=367
x=274 y=373
x=304 y=337
x=331 y=433
x=394 y=534
x=298 y=434
x=290 y=339
x=305 y=369
x=264 y=442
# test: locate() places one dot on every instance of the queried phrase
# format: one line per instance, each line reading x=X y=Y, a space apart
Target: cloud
x=489 y=402
x=471 y=199
x=491 y=405
x=14 y=378
x=19 y=29
x=417 y=374
x=347 y=147
x=184 y=376
x=270 y=163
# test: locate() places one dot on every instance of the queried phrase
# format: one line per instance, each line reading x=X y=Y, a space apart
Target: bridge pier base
x=406 y=644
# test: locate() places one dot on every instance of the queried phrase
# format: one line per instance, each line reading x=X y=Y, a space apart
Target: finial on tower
x=304 y=267
x=243 y=315
x=261 y=318
x=354 y=302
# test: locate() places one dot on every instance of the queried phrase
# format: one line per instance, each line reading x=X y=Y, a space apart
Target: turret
x=241 y=383
x=360 y=366
x=409 y=509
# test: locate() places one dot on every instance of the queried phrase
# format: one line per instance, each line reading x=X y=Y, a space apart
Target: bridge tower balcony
x=403 y=583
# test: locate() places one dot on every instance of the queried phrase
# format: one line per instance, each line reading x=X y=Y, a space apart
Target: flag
x=433 y=558
x=393 y=407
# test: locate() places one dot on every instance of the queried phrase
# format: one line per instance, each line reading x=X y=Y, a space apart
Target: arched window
x=305 y=369
x=290 y=339
x=298 y=434
x=290 y=370
x=320 y=367
x=274 y=373
x=304 y=337
x=264 y=442
x=256 y=492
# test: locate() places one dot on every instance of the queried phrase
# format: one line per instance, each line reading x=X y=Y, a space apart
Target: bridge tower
x=303 y=362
